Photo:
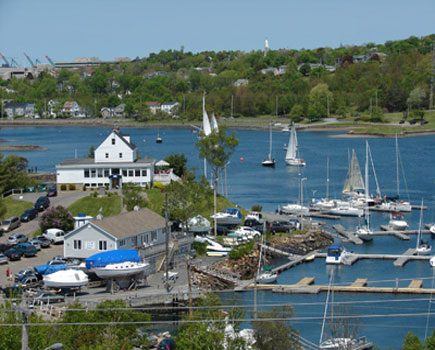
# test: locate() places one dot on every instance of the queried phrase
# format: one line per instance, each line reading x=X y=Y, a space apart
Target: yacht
x=294 y=209
x=336 y=255
x=230 y=216
x=397 y=222
x=344 y=208
x=66 y=279
x=120 y=270
x=267 y=277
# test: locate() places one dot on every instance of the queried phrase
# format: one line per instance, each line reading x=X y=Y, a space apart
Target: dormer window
x=113 y=141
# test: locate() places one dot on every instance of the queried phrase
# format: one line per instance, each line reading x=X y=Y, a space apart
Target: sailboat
x=363 y=230
x=422 y=248
x=266 y=276
x=291 y=157
x=214 y=124
x=269 y=162
x=158 y=139
x=324 y=203
x=353 y=185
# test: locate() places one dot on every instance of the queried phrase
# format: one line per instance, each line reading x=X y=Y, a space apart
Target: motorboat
x=422 y=248
x=230 y=216
x=112 y=257
x=432 y=261
x=345 y=209
x=267 y=277
x=248 y=232
x=66 y=279
x=294 y=209
x=198 y=224
x=336 y=255
x=255 y=215
x=291 y=156
x=394 y=206
x=432 y=229
x=120 y=270
x=397 y=222
x=322 y=204
x=212 y=245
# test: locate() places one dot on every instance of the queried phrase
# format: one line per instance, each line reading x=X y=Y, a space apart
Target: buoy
x=241 y=159
x=144 y=140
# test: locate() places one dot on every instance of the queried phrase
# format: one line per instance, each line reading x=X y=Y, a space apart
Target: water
x=249 y=183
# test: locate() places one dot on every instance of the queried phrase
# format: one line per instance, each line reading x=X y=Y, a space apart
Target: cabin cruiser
x=255 y=215
x=294 y=209
x=345 y=208
x=394 y=206
x=120 y=270
x=397 y=222
x=66 y=279
x=230 y=216
x=336 y=255
x=322 y=204
x=198 y=224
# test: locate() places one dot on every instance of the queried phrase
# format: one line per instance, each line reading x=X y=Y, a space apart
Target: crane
x=49 y=60
x=28 y=59
x=4 y=59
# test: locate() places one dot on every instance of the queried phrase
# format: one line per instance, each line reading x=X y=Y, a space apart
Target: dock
x=348 y=235
x=295 y=260
x=307 y=286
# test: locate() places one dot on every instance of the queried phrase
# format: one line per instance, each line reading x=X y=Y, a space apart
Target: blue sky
x=65 y=29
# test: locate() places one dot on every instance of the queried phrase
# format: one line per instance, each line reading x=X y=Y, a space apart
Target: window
x=154 y=235
x=137 y=173
x=77 y=244
x=93 y=172
x=86 y=172
x=93 y=185
x=144 y=172
x=146 y=238
x=102 y=245
x=134 y=241
x=107 y=155
x=120 y=155
x=124 y=172
x=122 y=242
x=87 y=185
x=130 y=172
x=113 y=141
x=100 y=172
x=106 y=172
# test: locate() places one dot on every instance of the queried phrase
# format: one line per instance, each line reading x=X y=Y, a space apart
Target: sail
x=214 y=123
x=354 y=180
x=292 y=144
x=206 y=128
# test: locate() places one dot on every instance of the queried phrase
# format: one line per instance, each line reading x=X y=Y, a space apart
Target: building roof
x=122 y=137
x=153 y=104
x=89 y=162
x=18 y=105
x=131 y=223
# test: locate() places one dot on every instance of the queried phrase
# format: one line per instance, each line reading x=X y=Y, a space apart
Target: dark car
x=23 y=273
x=255 y=224
x=17 y=238
x=402 y=122
x=42 y=203
x=3 y=259
x=43 y=241
x=29 y=214
x=4 y=247
x=47 y=298
x=278 y=226
x=25 y=249
x=29 y=281
x=52 y=191
x=424 y=122
x=13 y=254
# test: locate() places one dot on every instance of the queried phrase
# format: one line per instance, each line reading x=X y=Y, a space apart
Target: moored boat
x=336 y=255
x=397 y=222
x=66 y=279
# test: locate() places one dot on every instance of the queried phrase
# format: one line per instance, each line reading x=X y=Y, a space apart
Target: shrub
x=241 y=251
x=84 y=187
x=72 y=187
x=57 y=217
x=200 y=248
x=257 y=208
x=63 y=187
x=159 y=185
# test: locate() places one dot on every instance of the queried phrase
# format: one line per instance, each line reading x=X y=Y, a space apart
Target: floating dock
x=307 y=286
x=348 y=235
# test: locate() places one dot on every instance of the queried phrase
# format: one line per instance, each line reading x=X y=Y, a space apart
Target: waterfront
x=249 y=183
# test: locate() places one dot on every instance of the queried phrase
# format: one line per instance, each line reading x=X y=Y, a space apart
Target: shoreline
x=181 y=125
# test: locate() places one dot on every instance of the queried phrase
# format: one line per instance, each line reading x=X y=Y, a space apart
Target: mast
x=327 y=177
x=366 y=174
x=270 y=141
x=326 y=307
x=419 y=225
x=397 y=167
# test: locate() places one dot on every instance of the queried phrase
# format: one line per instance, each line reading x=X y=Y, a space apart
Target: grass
x=15 y=207
x=91 y=206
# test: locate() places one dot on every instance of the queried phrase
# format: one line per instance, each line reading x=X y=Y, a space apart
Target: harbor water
x=383 y=318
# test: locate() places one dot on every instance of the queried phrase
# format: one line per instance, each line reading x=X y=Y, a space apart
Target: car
x=3 y=259
x=255 y=224
x=57 y=260
x=248 y=232
x=46 y=298
x=28 y=215
x=402 y=122
x=10 y=223
x=13 y=254
x=42 y=203
x=27 y=249
x=23 y=273
x=36 y=243
x=4 y=247
x=55 y=235
x=413 y=121
x=52 y=191
x=424 y=122
x=17 y=238
x=294 y=223
x=43 y=241
x=29 y=281
x=278 y=226
x=166 y=344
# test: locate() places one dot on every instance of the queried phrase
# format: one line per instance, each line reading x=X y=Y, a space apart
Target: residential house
x=117 y=112
x=72 y=109
x=154 y=106
x=241 y=82
x=106 y=112
x=169 y=107
x=115 y=162
x=16 y=109
x=143 y=230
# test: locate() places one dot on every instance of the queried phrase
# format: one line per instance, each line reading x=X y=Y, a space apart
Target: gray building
x=16 y=109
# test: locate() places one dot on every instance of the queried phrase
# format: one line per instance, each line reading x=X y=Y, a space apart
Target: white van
x=55 y=235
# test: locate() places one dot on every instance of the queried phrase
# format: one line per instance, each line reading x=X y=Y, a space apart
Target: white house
x=115 y=162
x=168 y=107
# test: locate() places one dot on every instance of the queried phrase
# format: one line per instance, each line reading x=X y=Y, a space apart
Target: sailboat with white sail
x=324 y=203
x=363 y=230
x=422 y=248
x=214 y=124
x=269 y=162
x=354 y=184
x=291 y=157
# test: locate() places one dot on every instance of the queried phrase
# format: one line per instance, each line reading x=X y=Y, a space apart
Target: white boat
x=286 y=128
x=432 y=261
x=397 y=222
x=230 y=216
x=198 y=224
x=120 y=270
x=269 y=162
x=158 y=139
x=363 y=230
x=336 y=255
x=345 y=209
x=267 y=277
x=324 y=203
x=212 y=245
x=66 y=279
x=255 y=215
x=291 y=157
x=354 y=184
x=432 y=229
x=294 y=209
x=422 y=248
x=336 y=344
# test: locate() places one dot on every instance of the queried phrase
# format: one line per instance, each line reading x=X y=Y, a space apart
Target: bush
x=57 y=217
x=63 y=187
x=257 y=208
x=72 y=187
x=84 y=188
x=241 y=250
x=158 y=185
x=200 y=248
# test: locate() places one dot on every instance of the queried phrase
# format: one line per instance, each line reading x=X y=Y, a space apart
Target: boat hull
x=295 y=162
x=120 y=270
x=66 y=279
x=267 y=278
x=346 y=211
x=268 y=163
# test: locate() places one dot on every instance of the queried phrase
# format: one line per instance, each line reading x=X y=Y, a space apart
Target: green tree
x=416 y=97
x=412 y=342
x=91 y=152
x=13 y=172
x=177 y=162
x=57 y=217
x=319 y=99
x=216 y=148
x=297 y=113
x=133 y=196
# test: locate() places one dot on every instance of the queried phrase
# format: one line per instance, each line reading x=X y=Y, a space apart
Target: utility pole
x=376 y=104
x=184 y=104
x=189 y=284
x=226 y=185
x=232 y=105
x=276 y=105
x=167 y=243
x=327 y=104
x=371 y=107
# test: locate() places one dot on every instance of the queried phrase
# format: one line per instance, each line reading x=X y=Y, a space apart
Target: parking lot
x=28 y=228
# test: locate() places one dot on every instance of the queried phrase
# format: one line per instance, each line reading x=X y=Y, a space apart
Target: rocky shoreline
x=20 y=148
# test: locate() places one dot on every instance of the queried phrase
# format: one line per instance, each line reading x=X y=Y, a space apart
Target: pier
x=307 y=286
x=348 y=235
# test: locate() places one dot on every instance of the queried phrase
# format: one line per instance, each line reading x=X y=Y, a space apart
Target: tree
x=216 y=148
x=13 y=172
x=297 y=113
x=133 y=196
x=178 y=163
x=320 y=99
x=416 y=97
x=3 y=209
x=411 y=342
x=57 y=217
x=91 y=152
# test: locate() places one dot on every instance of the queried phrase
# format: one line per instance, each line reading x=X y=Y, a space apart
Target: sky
x=66 y=29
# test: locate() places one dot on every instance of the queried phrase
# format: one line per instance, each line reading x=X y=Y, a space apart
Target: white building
x=168 y=107
x=115 y=162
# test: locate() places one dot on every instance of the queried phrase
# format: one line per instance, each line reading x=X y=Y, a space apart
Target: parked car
x=29 y=281
x=424 y=122
x=47 y=298
x=29 y=214
x=23 y=273
x=43 y=241
x=402 y=122
x=13 y=254
x=248 y=232
x=3 y=259
x=10 y=223
x=55 y=235
x=17 y=238
x=27 y=249
x=4 y=247
x=36 y=243
x=57 y=260
x=52 y=191
x=295 y=224
x=42 y=203
x=255 y=224
x=278 y=226
x=166 y=344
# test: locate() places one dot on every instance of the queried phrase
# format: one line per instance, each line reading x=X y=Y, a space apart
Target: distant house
x=169 y=107
x=53 y=108
x=154 y=106
x=72 y=109
x=155 y=74
x=106 y=112
x=117 y=112
x=16 y=109
x=241 y=82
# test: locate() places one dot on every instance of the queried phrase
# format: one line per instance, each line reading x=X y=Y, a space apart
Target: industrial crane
x=28 y=59
x=4 y=59
x=7 y=64
x=49 y=60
